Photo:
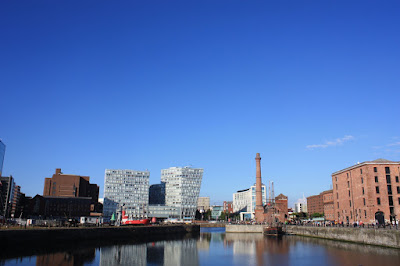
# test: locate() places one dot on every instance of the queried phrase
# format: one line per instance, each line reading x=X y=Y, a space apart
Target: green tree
x=317 y=214
x=207 y=215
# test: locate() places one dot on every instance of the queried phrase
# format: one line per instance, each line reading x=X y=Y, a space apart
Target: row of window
x=378 y=201
x=387 y=171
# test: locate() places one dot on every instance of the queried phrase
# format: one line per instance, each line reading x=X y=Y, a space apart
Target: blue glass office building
x=2 y=152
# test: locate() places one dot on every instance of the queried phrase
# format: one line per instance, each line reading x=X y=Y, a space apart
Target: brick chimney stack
x=259 y=210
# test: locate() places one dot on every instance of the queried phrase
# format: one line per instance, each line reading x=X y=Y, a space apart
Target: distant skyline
x=311 y=85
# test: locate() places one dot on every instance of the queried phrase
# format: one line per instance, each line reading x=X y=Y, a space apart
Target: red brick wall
x=329 y=211
x=348 y=195
x=315 y=204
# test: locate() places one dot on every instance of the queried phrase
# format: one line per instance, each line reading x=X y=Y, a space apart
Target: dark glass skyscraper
x=2 y=152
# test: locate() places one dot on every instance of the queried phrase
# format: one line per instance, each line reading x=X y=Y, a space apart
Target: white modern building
x=244 y=201
x=128 y=190
x=301 y=205
x=182 y=188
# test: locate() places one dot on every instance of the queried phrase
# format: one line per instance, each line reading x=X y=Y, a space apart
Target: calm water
x=215 y=247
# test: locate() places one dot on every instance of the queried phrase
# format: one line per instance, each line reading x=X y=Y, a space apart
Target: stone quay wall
x=380 y=237
x=244 y=228
x=57 y=235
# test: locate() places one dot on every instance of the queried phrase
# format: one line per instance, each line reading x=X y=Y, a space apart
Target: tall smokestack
x=258 y=181
x=259 y=210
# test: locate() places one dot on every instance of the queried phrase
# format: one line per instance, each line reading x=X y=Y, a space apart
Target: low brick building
x=228 y=206
x=329 y=210
x=281 y=204
x=315 y=204
x=367 y=192
x=59 y=207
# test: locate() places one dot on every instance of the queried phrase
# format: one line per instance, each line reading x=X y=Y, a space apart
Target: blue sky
x=313 y=86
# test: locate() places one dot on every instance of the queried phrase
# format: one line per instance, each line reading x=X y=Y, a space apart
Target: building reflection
x=346 y=253
x=263 y=250
x=73 y=258
x=182 y=252
x=123 y=255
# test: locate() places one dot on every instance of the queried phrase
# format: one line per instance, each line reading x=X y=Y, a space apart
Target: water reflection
x=255 y=249
x=183 y=252
x=215 y=247
x=75 y=258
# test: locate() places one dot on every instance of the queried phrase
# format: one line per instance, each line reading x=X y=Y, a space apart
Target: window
x=390 y=201
x=363 y=191
x=337 y=195
x=350 y=202
x=348 y=183
x=378 y=201
x=377 y=190
x=365 y=213
x=388 y=179
x=361 y=171
x=376 y=179
x=338 y=203
x=336 y=186
x=399 y=201
x=362 y=180
x=364 y=201
x=397 y=179
x=398 y=190
x=375 y=170
x=349 y=193
x=389 y=187
x=336 y=178
x=387 y=170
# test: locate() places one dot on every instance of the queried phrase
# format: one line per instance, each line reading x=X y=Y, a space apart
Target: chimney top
x=58 y=171
x=258 y=156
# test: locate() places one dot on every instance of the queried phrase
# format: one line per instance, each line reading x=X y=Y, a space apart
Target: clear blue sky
x=90 y=85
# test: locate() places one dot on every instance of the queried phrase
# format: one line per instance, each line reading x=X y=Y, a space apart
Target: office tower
x=128 y=190
x=157 y=194
x=244 y=201
x=182 y=188
x=66 y=185
x=7 y=188
x=2 y=153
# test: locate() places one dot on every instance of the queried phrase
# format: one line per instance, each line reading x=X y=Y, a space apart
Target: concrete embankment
x=211 y=224
x=54 y=236
x=379 y=237
x=244 y=228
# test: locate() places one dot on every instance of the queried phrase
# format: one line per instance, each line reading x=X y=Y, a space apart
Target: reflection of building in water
x=75 y=258
x=203 y=243
x=123 y=255
x=183 y=252
x=244 y=243
x=345 y=253
x=155 y=253
x=265 y=250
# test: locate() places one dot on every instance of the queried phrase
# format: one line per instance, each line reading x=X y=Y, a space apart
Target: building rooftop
x=377 y=161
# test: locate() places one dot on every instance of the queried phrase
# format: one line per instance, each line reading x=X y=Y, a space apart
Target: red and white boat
x=127 y=221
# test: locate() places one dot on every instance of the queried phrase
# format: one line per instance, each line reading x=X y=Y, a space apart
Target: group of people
x=357 y=224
